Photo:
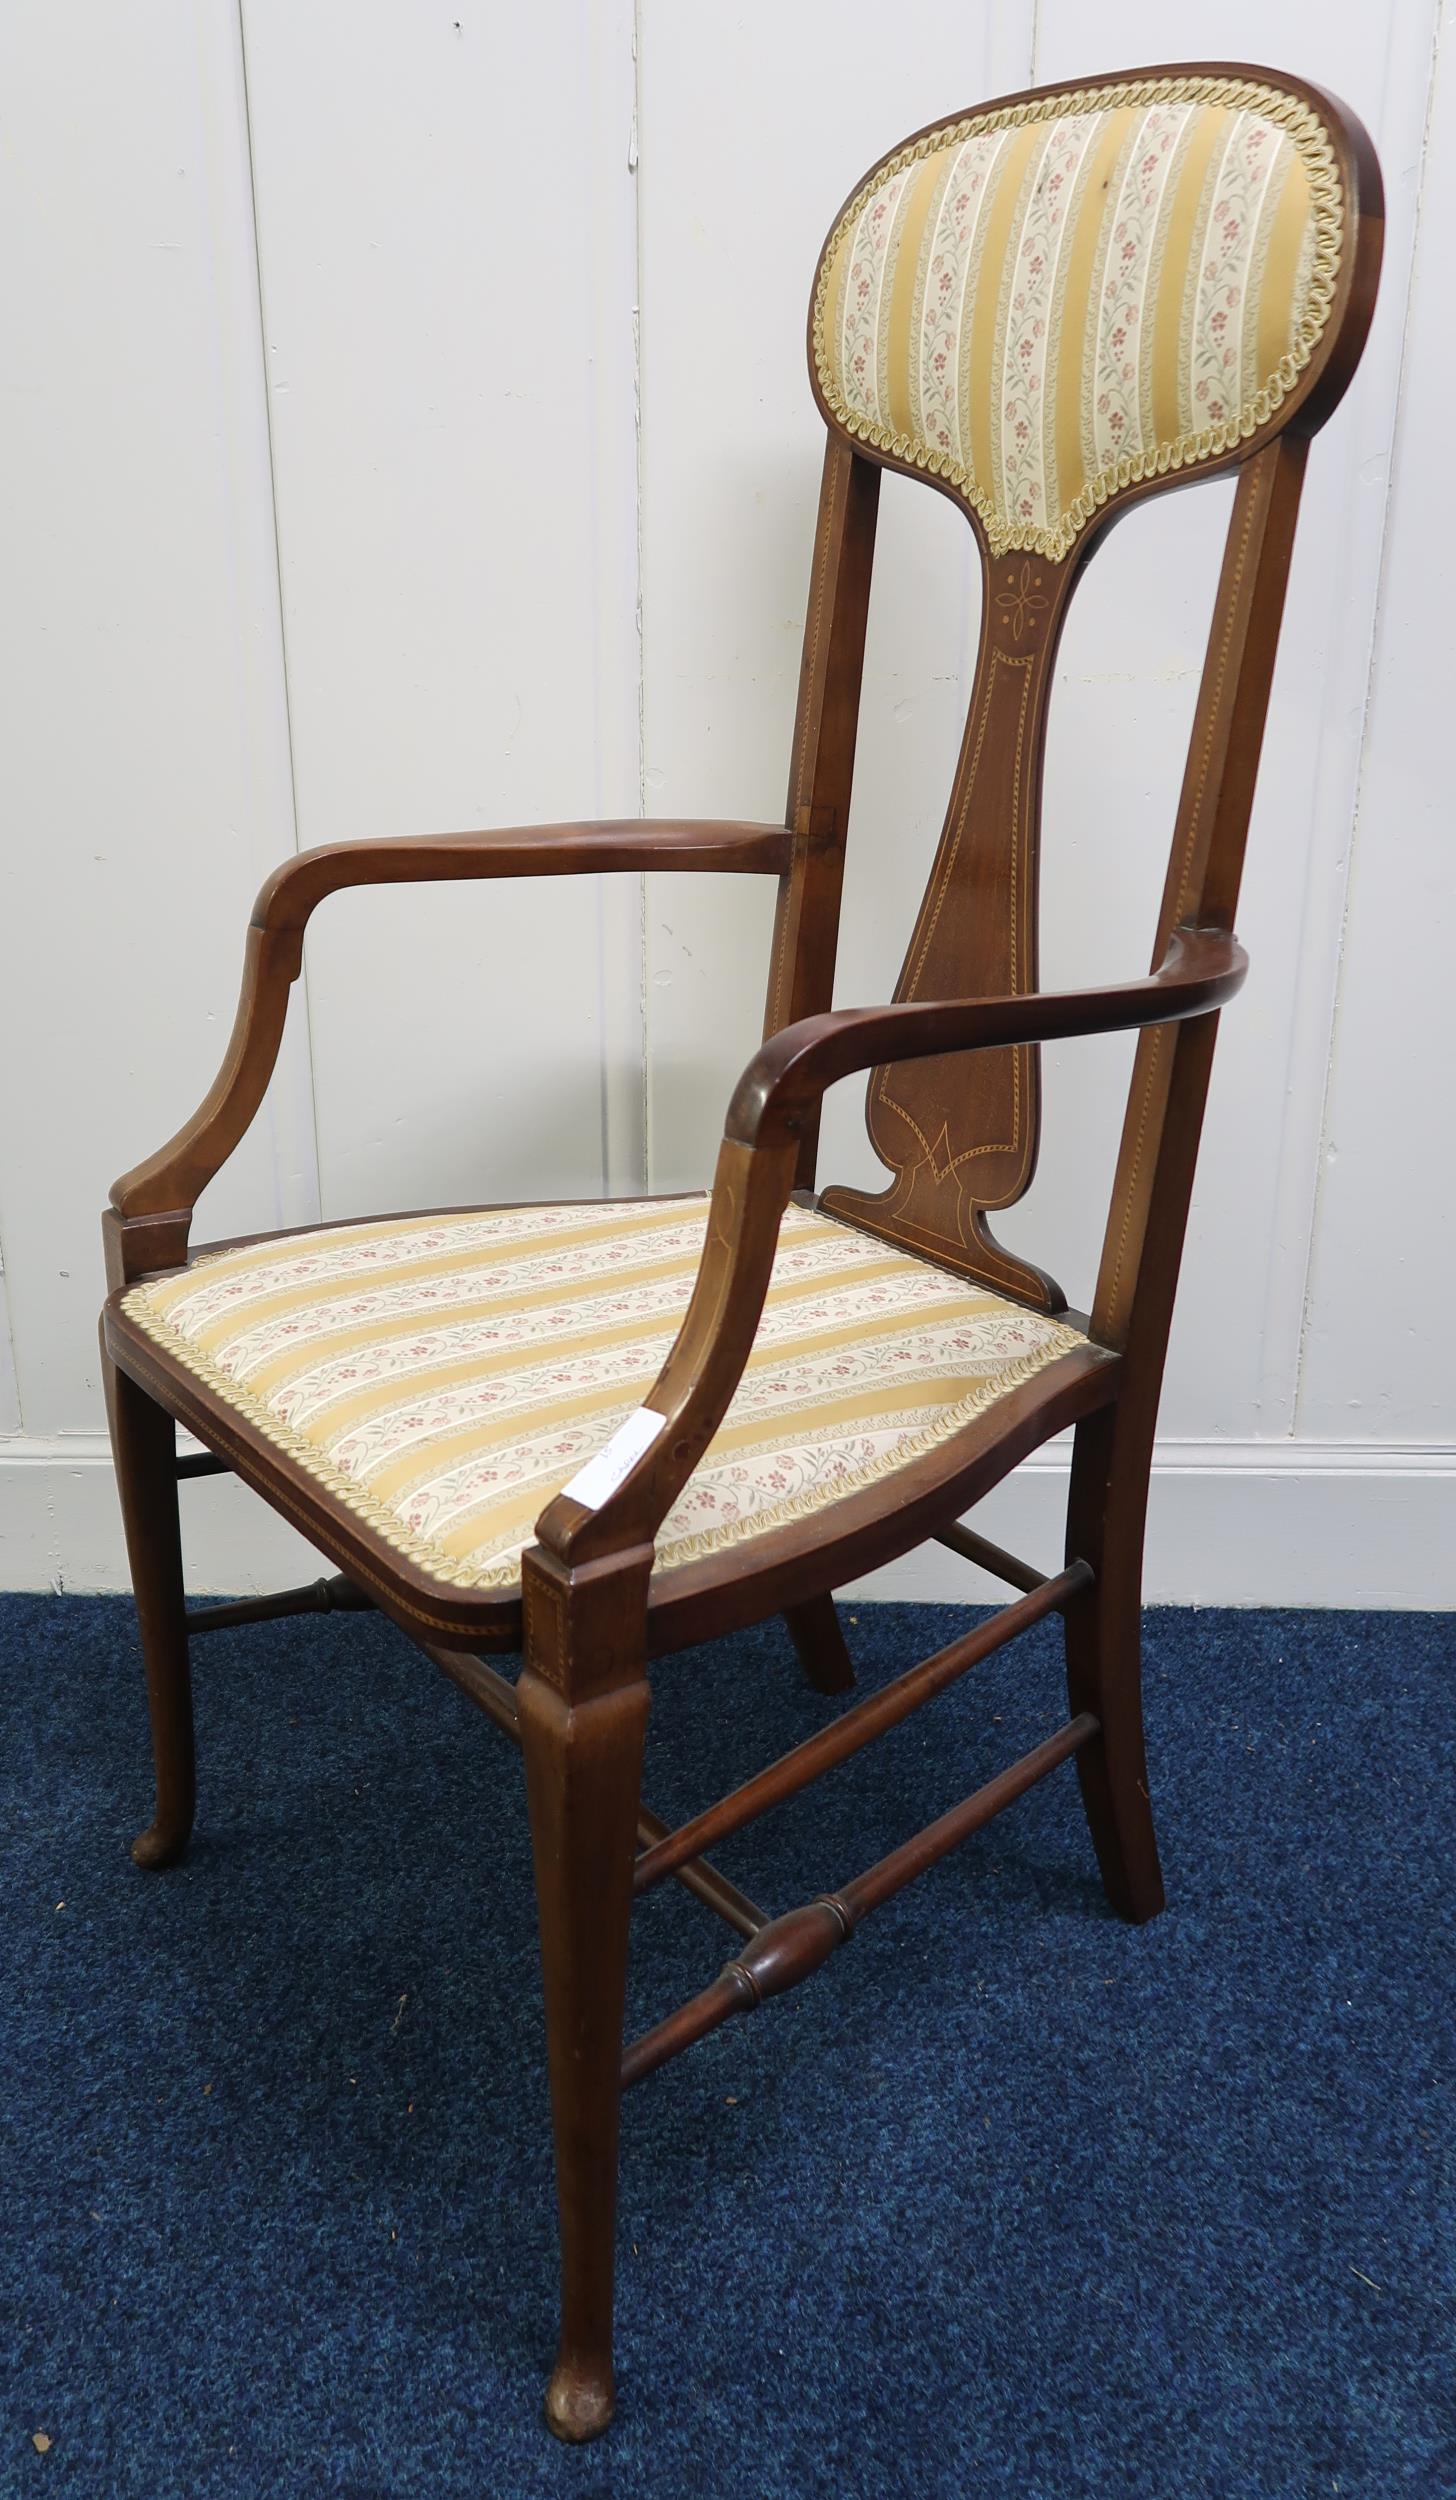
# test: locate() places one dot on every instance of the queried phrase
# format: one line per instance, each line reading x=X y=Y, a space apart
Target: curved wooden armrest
x=781 y=1087
x=624 y=843
x=755 y=1176
x=171 y=1181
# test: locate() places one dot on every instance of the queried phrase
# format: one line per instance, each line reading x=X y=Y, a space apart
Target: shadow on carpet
x=1010 y=2199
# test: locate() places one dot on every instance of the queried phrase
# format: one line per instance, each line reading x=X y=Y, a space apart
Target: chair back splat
x=1048 y=309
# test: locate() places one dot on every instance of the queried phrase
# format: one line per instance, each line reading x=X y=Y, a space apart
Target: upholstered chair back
x=1051 y=308
x=1043 y=303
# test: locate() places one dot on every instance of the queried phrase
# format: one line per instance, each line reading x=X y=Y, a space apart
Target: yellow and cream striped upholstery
x=444 y=1375
x=1047 y=302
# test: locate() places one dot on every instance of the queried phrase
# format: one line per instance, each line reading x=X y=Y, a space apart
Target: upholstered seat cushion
x=444 y=1375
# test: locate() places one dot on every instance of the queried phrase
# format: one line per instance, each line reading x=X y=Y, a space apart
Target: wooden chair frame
x=590 y=1618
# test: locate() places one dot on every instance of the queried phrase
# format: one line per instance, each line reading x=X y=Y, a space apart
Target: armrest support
x=756 y=1167
x=171 y=1181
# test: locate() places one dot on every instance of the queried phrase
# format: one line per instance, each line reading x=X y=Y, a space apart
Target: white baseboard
x=1246 y=1523
x=1239 y=1523
x=60 y=1525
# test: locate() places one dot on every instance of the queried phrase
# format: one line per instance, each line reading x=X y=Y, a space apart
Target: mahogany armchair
x=593 y=1434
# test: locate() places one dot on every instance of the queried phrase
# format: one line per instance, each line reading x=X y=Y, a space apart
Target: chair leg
x=1104 y=1669
x=583 y=1784
x=144 y=1446
x=815 y=1631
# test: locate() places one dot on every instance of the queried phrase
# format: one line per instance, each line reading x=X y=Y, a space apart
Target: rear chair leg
x=583 y=1784
x=144 y=1445
x=814 y=1630
x=1104 y=1668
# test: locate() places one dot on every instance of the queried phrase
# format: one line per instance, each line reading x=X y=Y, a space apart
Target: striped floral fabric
x=444 y=1375
x=1047 y=302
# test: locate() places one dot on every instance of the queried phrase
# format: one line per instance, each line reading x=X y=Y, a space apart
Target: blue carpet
x=1011 y=2199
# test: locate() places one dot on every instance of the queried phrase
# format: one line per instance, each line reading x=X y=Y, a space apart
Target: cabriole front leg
x=144 y=1446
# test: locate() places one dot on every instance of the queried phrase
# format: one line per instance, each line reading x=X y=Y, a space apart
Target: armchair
x=1048 y=309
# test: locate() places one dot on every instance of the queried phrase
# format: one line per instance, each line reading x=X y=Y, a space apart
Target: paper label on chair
x=601 y=1475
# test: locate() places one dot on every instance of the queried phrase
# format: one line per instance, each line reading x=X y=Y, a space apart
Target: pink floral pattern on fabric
x=952 y=255
x=224 y=1280
x=447 y=1374
x=1023 y=411
x=1045 y=303
x=1116 y=397
x=639 y=1269
x=1254 y=151
x=863 y=289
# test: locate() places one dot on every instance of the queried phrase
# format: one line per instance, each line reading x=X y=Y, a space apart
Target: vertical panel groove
x=12 y=1419
x=644 y=1003
x=303 y=982
x=615 y=452
x=1374 y=653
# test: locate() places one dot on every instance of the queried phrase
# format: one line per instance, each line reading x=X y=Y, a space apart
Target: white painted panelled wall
x=406 y=427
